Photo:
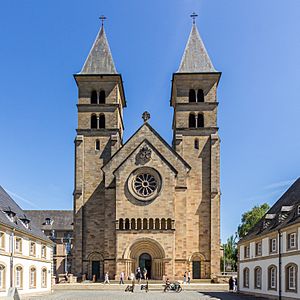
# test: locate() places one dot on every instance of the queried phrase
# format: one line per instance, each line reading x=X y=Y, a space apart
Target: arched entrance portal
x=148 y=252
x=96 y=266
x=145 y=262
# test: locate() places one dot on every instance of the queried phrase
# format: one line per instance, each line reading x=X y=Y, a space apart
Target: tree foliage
x=230 y=254
x=251 y=217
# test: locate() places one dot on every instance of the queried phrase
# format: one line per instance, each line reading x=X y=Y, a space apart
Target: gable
x=146 y=134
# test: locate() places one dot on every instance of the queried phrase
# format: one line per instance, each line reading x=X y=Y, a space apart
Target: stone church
x=144 y=202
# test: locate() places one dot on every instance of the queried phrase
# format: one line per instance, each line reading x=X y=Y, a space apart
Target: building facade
x=146 y=203
x=25 y=252
x=269 y=256
x=57 y=225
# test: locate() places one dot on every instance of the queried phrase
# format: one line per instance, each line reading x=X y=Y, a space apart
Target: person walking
x=145 y=273
x=184 y=278
x=138 y=275
x=106 y=278
x=122 y=275
x=189 y=277
x=231 y=283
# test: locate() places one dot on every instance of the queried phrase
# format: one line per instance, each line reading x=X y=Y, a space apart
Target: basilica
x=144 y=202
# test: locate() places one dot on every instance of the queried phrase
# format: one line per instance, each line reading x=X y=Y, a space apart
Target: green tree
x=230 y=253
x=250 y=218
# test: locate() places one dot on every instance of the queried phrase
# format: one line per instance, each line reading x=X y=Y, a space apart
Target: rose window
x=144 y=184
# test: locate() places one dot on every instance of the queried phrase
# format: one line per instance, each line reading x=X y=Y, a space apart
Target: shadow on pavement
x=228 y=296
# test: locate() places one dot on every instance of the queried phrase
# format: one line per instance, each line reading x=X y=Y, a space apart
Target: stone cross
x=145 y=116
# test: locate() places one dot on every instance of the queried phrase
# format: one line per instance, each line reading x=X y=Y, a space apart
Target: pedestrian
x=189 y=277
x=138 y=275
x=145 y=273
x=106 y=278
x=231 y=283
x=122 y=275
x=235 y=284
x=184 y=278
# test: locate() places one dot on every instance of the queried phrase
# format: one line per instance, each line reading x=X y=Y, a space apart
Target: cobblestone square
x=108 y=295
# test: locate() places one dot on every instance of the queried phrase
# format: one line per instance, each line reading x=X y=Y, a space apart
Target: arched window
x=44 y=278
x=126 y=224
x=192 y=96
x=121 y=224
x=163 y=223
x=97 y=145
x=257 y=278
x=200 y=121
x=200 y=96
x=291 y=271
x=169 y=223
x=151 y=223
x=192 y=121
x=145 y=224
x=139 y=224
x=32 y=277
x=2 y=277
x=93 y=97
x=196 y=144
x=19 y=277
x=94 y=122
x=102 y=121
x=102 y=96
x=272 y=277
x=133 y=224
x=246 y=277
x=157 y=224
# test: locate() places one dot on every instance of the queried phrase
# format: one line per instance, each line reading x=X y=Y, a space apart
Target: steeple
x=99 y=60
x=195 y=58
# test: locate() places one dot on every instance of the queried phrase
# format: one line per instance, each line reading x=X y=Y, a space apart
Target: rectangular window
x=291 y=240
x=258 y=249
x=44 y=251
x=32 y=248
x=2 y=240
x=247 y=251
x=273 y=245
x=18 y=244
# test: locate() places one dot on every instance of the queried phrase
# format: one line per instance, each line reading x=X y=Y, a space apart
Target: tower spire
x=195 y=58
x=99 y=60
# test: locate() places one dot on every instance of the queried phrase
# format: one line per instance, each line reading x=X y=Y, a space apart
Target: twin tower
x=145 y=203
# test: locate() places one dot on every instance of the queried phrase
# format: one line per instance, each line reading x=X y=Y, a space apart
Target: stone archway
x=197 y=265
x=95 y=266
x=153 y=249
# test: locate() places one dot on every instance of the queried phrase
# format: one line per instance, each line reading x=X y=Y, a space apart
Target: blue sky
x=254 y=43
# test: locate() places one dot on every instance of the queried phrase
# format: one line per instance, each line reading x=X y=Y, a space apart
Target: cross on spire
x=193 y=16
x=102 y=18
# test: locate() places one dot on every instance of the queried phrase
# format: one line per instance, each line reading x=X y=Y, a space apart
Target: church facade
x=147 y=203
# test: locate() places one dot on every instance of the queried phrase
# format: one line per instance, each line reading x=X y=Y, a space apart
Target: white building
x=269 y=256
x=25 y=252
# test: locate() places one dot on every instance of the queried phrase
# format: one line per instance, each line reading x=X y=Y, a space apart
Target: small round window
x=144 y=184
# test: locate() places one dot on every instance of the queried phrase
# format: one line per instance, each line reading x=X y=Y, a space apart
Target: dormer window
x=48 y=221
x=25 y=222
x=10 y=214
